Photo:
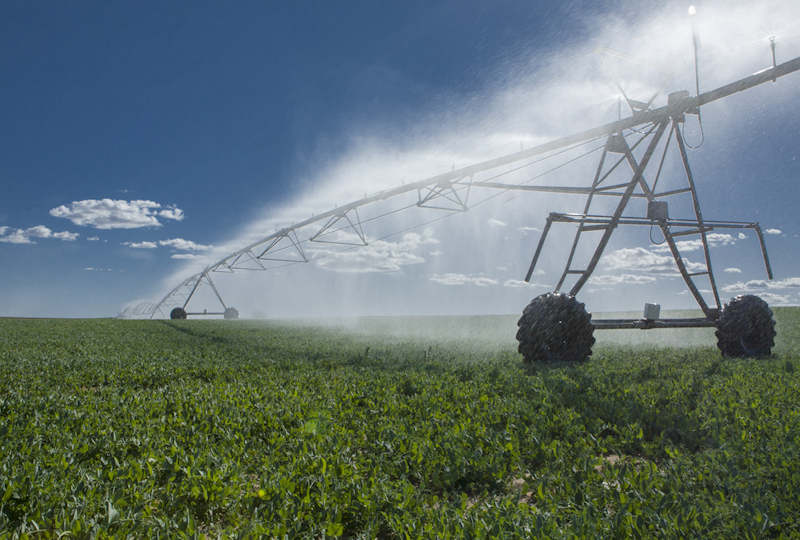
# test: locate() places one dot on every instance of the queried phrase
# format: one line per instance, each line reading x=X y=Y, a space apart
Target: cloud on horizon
x=628 y=279
x=758 y=285
x=714 y=240
x=463 y=279
x=379 y=256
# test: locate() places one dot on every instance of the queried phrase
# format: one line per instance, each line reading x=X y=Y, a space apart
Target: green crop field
x=390 y=428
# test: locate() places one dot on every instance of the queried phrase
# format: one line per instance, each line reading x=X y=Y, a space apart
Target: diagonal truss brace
x=293 y=243
x=207 y=278
x=447 y=190
x=356 y=226
x=607 y=224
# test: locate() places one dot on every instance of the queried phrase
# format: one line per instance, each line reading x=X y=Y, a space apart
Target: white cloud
x=463 y=279
x=435 y=253
x=183 y=245
x=758 y=285
x=66 y=236
x=772 y=298
x=496 y=223
x=93 y=238
x=628 y=279
x=643 y=260
x=639 y=259
x=141 y=245
x=116 y=214
x=714 y=240
x=183 y=256
x=773 y=231
x=175 y=243
x=23 y=236
x=171 y=212
x=379 y=256
x=733 y=271
x=519 y=284
x=526 y=230
x=742 y=236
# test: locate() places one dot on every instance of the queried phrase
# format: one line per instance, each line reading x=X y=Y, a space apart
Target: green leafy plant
x=232 y=429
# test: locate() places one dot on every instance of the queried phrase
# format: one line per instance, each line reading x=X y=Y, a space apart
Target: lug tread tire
x=745 y=328
x=555 y=327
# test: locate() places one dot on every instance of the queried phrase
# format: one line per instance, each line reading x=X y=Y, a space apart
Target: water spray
x=692 y=15
x=556 y=326
x=772 y=46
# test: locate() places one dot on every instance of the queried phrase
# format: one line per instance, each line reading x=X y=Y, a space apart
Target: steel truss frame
x=450 y=191
x=616 y=144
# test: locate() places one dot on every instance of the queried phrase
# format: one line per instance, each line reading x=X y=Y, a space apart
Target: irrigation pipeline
x=678 y=104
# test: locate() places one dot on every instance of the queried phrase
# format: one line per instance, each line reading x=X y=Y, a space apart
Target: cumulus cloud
x=116 y=214
x=773 y=231
x=183 y=256
x=175 y=243
x=93 y=238
x=733 y=271
x=141 y=245
x=639 y=258
x=643 y=260
x=526 y=230
x=66 y=236
x=379 y=256
x=183 y=245
x=23 y=236
x=496 y=223
x=775 y=299
x=714 y=240
x=759 y=285
x=463 y=279
x=742 y=236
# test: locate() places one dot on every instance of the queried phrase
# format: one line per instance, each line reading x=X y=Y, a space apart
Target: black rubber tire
x=231 y=313
x=745 y=328
x=555 y=327
x=177 y=313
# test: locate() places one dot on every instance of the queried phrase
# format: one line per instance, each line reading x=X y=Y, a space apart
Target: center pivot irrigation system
x=555 y=326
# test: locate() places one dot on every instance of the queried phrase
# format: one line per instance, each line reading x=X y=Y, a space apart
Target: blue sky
x=142 y=141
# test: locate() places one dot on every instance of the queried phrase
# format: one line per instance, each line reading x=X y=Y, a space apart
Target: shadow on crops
x=195 y=333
